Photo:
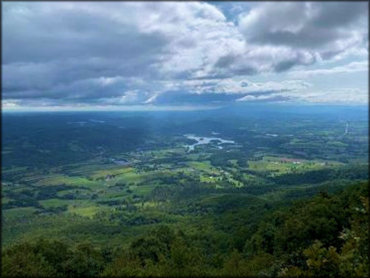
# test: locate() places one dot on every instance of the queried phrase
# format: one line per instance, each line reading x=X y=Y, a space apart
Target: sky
x=182 y=55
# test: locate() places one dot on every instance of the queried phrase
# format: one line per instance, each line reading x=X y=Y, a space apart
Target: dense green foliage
x=325 y=236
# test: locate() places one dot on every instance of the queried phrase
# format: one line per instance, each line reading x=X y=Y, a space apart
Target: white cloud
x=339 y=96
x=348 y=68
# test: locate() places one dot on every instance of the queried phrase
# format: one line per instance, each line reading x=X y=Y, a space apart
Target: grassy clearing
x=283 y=165
x=89 y=211
x=54 y=203
x=142 y=189
x=113 y=195
x=113 y=172
x=131 y=177
x=5 y=200
x=67 y=180
x=204 y=166
x=73 y=191
x=209 y=179
x=149 y=204
x=17 y=213
x=87 y=170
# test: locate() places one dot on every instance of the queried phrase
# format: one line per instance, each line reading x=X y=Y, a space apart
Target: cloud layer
x=172 y=53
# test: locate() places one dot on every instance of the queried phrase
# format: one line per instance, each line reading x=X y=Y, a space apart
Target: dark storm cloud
x=309 y=25
x=63 y=53
x=249 y=63
x=43 y=32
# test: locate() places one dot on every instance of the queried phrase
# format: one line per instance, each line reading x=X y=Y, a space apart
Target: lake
x=202 y=140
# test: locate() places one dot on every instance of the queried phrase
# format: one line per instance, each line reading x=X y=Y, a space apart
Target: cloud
x=348 y=68
x=142 y=53
x=320 y=29
x=221 y=91
x=61 y=50
x=336 y=96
